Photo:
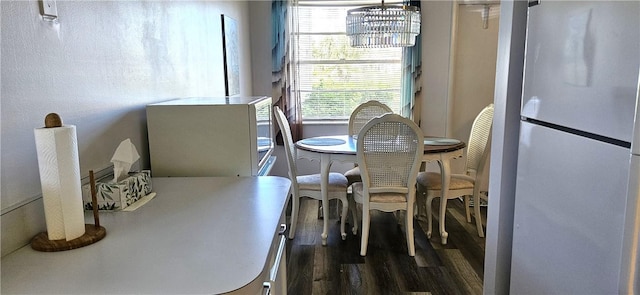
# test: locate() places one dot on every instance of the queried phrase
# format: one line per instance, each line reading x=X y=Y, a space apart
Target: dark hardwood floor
x=338 y=268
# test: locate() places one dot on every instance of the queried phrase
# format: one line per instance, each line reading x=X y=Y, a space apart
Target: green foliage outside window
x=342 y=77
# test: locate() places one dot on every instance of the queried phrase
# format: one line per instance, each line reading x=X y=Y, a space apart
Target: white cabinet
x=210 y=136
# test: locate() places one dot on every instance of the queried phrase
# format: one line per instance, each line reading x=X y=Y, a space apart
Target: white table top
x=345 y=144
x=198 y=235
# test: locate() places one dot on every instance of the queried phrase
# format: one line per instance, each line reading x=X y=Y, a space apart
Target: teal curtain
x=278 y=37
x=282 y=18
x=411 y=71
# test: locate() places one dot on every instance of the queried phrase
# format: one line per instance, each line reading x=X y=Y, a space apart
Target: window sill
x=325 y=122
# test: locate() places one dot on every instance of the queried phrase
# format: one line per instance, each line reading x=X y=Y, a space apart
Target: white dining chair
x=359 y=117
x=309 y=185
x=389 y=152
x=461 y=185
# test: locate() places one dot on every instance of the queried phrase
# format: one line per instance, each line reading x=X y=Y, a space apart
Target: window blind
x=334 y=78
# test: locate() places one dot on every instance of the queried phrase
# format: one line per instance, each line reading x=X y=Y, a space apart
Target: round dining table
x=342 y=148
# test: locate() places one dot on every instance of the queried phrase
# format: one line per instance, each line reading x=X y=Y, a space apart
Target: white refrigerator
x=576 y=219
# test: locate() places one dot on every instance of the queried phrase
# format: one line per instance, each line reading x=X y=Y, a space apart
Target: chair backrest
x=390 y=150
x=365 y=112
x=290 y=151
x=479 y=140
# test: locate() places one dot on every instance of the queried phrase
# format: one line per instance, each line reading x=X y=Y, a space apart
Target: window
x=333 y=78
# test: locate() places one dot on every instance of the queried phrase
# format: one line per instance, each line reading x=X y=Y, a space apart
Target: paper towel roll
x=60 y=179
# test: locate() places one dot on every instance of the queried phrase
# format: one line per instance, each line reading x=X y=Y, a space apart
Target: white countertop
x=198 y=235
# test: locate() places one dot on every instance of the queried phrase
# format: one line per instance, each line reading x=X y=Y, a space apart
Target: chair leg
x=466 y=208
x=420 y=202
x=443 y=211
x=366 y=218
x=325 y=222
x=398 y=214
x=429 y=216
x=354 y=215
x=420 y=206
x=409 y=231
x=476 y=210
x=295 y=206
x=343 y=217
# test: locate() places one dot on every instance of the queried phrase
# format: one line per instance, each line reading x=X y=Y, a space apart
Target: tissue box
x=117 y=196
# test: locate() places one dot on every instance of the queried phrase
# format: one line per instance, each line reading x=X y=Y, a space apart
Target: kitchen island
x=205 y=235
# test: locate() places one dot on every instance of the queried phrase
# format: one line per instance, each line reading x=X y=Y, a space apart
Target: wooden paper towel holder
x=92 y=232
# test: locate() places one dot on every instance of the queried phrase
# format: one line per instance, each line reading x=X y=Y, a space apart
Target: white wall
x=436 y=29
x=260 y=21
x=474 y=68
x=98 y=66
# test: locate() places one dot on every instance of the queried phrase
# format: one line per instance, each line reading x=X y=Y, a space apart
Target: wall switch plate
x=49 y=10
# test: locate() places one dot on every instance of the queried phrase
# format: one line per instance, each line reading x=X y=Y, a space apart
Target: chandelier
x=383 y=26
